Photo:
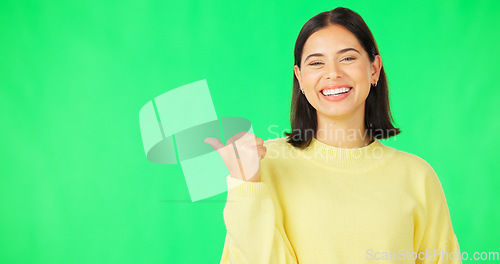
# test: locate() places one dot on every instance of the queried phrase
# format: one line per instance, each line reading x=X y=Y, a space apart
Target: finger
x=258 y=142
x=251 y=140
x=262 y=150
x=236 y=137
x=228 y=154
x=214 y=143
x=249 y=145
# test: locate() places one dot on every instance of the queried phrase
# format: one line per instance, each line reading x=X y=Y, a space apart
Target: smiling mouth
x=335 y=92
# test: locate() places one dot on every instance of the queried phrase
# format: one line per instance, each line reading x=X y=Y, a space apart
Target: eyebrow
x=338 y=52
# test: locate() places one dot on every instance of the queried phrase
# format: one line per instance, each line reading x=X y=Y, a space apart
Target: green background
x=75 y=183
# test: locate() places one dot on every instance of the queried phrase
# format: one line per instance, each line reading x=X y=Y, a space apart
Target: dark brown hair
x=303 y=119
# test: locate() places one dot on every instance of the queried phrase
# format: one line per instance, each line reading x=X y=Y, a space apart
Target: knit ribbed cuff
x=239 y=188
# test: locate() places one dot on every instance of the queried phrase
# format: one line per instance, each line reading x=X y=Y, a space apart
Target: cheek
x=311 y=76
x=359 y=74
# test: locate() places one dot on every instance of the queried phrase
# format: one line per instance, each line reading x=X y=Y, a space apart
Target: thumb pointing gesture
x=215 y=143
x=242 y=155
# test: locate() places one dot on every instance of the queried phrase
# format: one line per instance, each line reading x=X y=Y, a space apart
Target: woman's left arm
x=438 y=239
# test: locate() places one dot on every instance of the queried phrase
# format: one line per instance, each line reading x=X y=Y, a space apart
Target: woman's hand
x=241 y=154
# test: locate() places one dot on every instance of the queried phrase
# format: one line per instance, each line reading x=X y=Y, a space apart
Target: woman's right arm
x=253 y=236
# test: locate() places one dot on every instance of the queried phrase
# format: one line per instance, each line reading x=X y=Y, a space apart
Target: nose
x=332 y=71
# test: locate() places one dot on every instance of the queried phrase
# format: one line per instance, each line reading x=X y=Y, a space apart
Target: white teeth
x=328 y=92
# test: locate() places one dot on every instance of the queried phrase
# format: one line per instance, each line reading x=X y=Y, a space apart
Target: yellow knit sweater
x=326 y=204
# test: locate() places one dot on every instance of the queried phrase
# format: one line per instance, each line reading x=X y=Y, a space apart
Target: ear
x=296 y=70
x=376 y=66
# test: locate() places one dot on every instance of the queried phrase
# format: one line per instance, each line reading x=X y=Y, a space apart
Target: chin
x=336 y=113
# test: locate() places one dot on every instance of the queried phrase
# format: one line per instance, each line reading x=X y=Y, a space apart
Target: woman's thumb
x=215 y=143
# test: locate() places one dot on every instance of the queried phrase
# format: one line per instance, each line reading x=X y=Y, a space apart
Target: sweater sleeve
x=438 y=239
x=252 y=235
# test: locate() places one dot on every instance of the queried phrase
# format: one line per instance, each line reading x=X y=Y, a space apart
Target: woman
x=330 y=192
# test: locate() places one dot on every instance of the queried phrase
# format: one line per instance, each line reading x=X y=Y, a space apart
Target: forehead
x=332 y=39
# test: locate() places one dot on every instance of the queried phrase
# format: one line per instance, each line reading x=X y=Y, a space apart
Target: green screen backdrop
x=75 y=184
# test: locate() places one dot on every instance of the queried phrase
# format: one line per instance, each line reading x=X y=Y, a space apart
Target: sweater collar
x=348 y=158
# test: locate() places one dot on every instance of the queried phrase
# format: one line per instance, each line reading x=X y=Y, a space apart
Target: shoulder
x=419 y=170
x=424 y=177
x=412 y=161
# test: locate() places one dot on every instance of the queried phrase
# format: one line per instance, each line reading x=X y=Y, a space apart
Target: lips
x=337 y=97
x=334 y=86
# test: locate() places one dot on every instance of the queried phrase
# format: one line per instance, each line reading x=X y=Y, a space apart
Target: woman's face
x=333 y=57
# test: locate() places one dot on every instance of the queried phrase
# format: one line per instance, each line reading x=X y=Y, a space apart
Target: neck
x=343 y=132
x=348 y=158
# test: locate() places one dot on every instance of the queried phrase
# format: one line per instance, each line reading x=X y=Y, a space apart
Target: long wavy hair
x=303 y=118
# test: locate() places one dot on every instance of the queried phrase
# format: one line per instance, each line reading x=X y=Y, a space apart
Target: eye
x=315 y=63
x=349 y=59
